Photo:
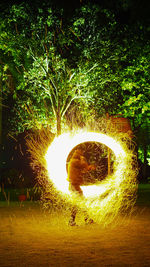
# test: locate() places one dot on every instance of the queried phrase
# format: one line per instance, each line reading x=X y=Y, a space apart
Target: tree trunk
x=58 y=118
x=145 y=162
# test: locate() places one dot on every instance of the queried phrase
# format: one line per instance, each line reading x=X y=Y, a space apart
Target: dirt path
x=31 y=237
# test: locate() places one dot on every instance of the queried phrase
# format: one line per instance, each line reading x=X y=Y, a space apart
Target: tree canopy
x=89 y=61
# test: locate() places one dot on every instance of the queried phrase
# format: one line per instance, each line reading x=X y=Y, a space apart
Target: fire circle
x=105 y=197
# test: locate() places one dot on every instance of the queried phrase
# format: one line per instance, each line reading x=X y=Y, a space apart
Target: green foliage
x=53 y=66
x=46 y=85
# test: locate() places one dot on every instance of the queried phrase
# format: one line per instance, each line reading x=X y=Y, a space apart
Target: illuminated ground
x=31 y=237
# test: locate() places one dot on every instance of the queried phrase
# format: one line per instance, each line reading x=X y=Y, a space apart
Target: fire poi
x=105 y=199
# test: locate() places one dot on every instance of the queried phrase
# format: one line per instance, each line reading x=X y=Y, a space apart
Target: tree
x=121 y=80
x=136 y=104
x=46 y=82
x=99 y=36
x=52 y=56
x=57 y=84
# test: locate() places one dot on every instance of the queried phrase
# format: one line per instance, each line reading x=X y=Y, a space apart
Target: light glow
x=59 y=150
x=105 y=197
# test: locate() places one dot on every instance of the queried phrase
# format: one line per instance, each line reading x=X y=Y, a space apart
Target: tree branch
x=51 y=98
x=66 y=106
x=55 y=91
x=94 y=66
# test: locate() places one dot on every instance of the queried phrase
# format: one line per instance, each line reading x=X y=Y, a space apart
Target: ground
x=31 y=236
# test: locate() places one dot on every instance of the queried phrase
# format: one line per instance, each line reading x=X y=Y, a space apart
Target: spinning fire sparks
x=104 y=199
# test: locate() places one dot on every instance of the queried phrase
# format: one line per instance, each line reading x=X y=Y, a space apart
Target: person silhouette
x=77 y=167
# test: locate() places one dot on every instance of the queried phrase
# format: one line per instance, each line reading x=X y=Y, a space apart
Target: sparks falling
x=103 y=200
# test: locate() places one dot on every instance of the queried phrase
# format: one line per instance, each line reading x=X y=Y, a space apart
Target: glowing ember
x=109 y=195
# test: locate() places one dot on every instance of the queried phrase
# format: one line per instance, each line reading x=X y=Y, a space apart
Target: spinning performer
x=77 y=167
